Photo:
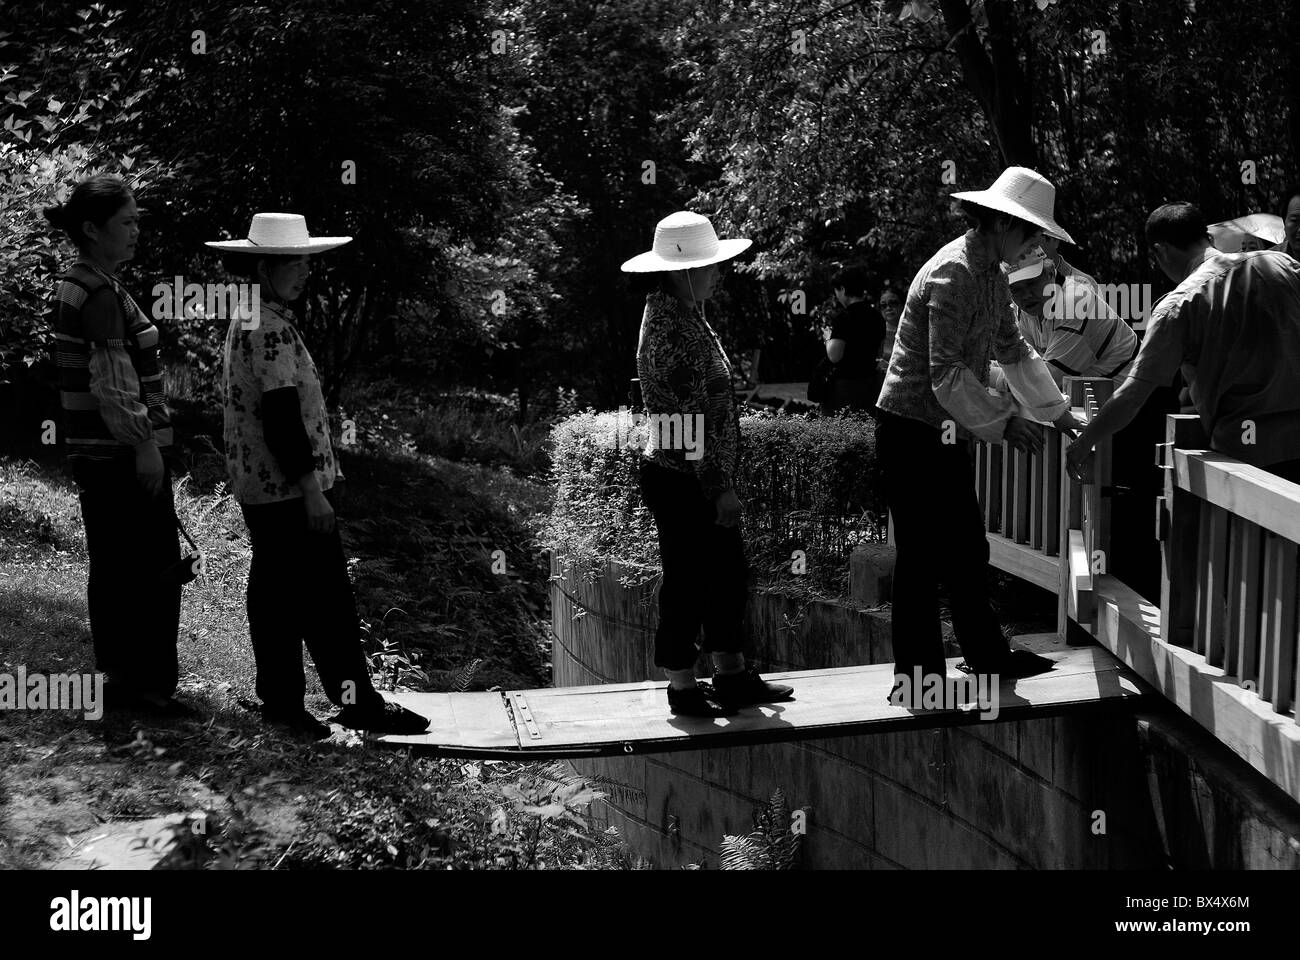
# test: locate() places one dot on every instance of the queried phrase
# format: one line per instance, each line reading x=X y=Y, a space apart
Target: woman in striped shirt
x=116 y=432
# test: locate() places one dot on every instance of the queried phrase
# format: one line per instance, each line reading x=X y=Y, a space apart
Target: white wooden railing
x=1221 y=640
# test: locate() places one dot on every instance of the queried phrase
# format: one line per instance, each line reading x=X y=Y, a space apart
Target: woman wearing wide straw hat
x=283 y=472
x=691 y=492
x=956 y=318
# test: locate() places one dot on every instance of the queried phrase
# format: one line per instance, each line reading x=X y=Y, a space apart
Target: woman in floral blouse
x=688 y=473
x=957 y=318
x=284 y=474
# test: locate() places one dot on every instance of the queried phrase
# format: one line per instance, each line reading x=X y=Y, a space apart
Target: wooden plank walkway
x=620 y=718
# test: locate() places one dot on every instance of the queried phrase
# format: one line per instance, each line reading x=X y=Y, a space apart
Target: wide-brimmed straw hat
x=1022 y=193
x=276 y=234
x=684 y=240
x=1229 y=235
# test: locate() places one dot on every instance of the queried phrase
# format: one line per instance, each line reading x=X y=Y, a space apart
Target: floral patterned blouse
x=685 y=371
x=957 y=318
x=268 y=357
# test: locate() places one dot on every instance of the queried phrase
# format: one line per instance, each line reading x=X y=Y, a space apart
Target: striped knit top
x=110 y=380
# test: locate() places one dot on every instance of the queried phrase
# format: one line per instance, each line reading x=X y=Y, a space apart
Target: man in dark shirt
x=1232 y=325
x=855 y=341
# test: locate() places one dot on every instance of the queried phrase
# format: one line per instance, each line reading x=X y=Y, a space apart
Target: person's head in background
x=1289 y=211
x=101 y=218
x=850 y=284
x=1178 y=236
x=1032 y=280
x=281 y=278
x=1007 y=236
x=891 y=304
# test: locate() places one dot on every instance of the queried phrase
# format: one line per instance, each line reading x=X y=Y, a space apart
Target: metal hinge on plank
x=525 y=716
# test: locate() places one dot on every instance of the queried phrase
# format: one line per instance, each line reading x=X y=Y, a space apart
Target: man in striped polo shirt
x=116 y=429
x=1068 y=322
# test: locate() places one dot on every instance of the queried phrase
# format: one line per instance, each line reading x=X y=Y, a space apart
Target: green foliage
x=773 y=845
x=467 y=426
x=807 y=483
x=594 y=76
x=837 y=153
x=272 y=801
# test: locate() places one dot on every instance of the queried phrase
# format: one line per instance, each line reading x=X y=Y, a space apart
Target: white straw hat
x=1229 y=235
x=684 y=240
x=1022 y=193
x=279 y=233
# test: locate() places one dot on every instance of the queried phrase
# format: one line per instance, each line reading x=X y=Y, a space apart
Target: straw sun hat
x=684 y=240
x=277 y=234
x=1022 y=193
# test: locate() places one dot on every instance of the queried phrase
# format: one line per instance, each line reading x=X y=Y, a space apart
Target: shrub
x=807 y=483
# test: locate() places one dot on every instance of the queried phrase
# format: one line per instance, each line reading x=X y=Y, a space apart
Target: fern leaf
x=464 y=676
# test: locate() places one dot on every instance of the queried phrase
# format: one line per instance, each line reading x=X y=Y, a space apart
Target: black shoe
x=746 y=687
x=1016 y=665
x=123 y=699
x=299 y=723
x=382 y=718
x=172 y=709
x=117 y=698
x=697 y=701
x=895 y=698
x=1025 y=663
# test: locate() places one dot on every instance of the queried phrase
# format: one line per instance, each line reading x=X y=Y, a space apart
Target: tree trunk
x=994 y=76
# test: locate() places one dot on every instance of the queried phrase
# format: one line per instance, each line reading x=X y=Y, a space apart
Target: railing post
x=1097 y=530
x=1068 y=518
x=1178 y=528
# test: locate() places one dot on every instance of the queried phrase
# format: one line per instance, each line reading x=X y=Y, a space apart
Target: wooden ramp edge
x=633 y=718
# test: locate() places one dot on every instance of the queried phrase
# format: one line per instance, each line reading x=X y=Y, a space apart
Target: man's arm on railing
x=1115 y=414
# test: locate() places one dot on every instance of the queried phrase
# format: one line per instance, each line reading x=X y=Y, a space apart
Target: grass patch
x=421 y=534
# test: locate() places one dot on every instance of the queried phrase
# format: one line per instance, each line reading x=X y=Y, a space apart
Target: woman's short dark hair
x=95 y=199
x=1179 y=223
x=854 y=279
x=890 y=287
x=983 y=218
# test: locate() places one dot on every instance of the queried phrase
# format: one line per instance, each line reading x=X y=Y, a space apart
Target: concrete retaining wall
x=1088 y=791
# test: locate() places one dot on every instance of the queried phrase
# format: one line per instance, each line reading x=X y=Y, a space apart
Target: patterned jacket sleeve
x=716 y=469
x=1027 y=375
x=675 y=379
x=952 y=296
x=114 y=382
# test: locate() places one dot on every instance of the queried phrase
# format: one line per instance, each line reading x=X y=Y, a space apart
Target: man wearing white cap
x=936 y=394
x=690 y=487
x=1067 y=321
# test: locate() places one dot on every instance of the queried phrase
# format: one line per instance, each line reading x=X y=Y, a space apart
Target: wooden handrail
x=1224 y=643
x=1042 y=525
x=1230 y=536
x=1245 y=491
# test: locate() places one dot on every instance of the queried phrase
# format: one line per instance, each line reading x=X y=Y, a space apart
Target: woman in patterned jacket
x=936 y=395
x=284 y=474
x=688 y=473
